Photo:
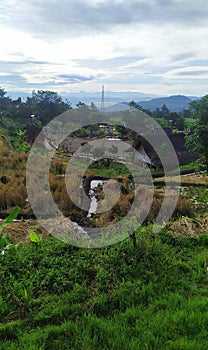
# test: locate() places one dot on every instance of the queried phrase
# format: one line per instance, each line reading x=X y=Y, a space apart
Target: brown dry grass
x=12 y=179
x=192 y=179
x=141 y=199
x=13 y=183
x=189 y=226
x=20 y=231
x=13 y=192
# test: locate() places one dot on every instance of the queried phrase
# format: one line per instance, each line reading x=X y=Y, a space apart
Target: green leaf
x=4 y=240
x=34 y=237
x=10 y=218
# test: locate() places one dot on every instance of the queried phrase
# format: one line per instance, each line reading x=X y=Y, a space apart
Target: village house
x=144 y=152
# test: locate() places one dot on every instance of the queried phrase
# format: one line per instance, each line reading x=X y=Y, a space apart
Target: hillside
x=174 y=103
x=111 y=97
x=118 y=107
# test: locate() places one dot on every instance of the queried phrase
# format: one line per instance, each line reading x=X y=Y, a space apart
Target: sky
x=155 y=46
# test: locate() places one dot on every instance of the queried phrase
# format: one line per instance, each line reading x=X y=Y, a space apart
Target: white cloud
x=189 y=73
x=129 y=45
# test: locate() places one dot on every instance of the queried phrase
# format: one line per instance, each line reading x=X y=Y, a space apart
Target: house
x=139 y=154
x=178 y=141
x=144 y=151
x=31 y=132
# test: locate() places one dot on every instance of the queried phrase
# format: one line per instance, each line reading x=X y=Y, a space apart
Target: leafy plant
x=10 y=218
x=35 y=238
x=4 y=238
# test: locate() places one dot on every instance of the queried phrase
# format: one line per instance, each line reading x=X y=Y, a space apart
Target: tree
x=164 y=111
x=157 y=113
x=4 y=136
x=179 y=123
x=101 y=133
x=187 y=113
x=81 y=132
x=198 y=139
x=82 y=113
x=135 y=105
x=140 y=108
x=19 y=141
x=47 y=105
x=93 y=107
x=80 y=104
x=5 y=102
x=176 y=120
x=2 y=93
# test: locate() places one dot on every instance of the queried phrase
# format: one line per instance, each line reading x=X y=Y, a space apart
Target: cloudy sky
x=154 y=46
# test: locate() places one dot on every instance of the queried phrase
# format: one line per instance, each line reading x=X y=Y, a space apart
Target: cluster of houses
x=124 y=150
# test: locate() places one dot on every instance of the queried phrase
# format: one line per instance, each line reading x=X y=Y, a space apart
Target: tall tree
x=5 y=102
x=164 y=111
x=198 y=139
x=176 y=120
x=47 y=105
x=137 y=106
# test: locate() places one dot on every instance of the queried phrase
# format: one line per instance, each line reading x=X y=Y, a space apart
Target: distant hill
x=118 y=107
x=174 y=103
x=111 y=97
x=114 y=101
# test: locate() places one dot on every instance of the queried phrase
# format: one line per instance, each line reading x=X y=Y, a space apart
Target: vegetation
x=147 y=292
x=198 y=139
x=154 y=296
x=43 y=104
x=4 y=238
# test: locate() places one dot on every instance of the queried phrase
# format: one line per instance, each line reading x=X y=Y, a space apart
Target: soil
x=19 y=231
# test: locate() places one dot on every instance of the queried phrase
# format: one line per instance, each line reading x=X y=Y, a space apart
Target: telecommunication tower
x=103 y=100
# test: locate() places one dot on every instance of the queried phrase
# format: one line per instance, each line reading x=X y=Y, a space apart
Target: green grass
x=193 y=165
x=152 y=296
x=199 y=197
x=189 y=121
x=114 y=169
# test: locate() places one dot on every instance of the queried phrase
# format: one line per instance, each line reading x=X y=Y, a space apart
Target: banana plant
x=4 y=238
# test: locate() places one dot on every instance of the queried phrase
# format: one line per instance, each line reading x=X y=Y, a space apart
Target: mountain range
x=174 y=103
x=111 y=97
x=118 y=101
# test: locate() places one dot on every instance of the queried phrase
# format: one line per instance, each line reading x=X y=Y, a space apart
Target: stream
x=93 y=203
x=92 y=210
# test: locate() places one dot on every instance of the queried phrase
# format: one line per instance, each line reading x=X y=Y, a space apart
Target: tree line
x=43 y=106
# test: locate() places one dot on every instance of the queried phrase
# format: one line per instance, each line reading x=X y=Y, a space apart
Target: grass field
x=152 y=296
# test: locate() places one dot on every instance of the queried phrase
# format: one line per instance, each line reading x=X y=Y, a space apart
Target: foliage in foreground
x=198 y=140
x=154 y=296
